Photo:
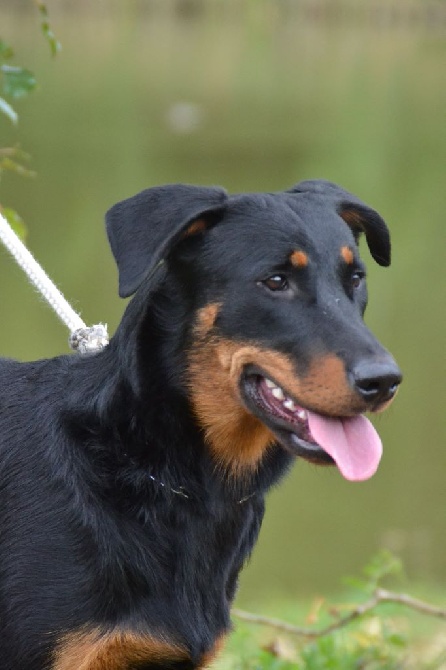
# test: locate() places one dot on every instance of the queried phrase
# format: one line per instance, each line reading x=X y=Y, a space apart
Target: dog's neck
x=149 y=444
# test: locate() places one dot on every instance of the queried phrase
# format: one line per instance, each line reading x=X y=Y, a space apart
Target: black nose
x=376 y=381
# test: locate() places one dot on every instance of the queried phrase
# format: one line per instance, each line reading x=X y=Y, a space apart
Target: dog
x=132 y=481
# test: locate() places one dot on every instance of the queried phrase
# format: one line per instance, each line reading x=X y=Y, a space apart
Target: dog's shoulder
x=30 y=393
x=22 y=377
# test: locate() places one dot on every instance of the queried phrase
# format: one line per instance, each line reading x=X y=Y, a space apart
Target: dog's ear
x=142 y=230
x=360 y=217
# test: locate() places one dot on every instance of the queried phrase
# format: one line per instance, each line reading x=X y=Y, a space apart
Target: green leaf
x=356 y=583
x=15 y=221
x=6 y=51
x=383 y=564
x=55 y=45
x=17 y=82
x=7 y=163
x=397 y=639
x=7 y=110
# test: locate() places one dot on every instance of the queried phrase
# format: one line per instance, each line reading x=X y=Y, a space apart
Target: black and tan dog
x=132 y=481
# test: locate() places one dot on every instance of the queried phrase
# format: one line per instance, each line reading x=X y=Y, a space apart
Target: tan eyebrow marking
x=299 y=259
x=198 y=226
x=347 y=255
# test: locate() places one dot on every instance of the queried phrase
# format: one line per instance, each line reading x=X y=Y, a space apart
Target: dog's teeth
x=289 y=404
x=302 y=414
x=269 y=383
x=278 y=393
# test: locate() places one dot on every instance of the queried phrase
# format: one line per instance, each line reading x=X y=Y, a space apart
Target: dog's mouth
x=350 y=442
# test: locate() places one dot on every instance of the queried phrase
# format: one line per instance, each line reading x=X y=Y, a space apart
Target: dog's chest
x=119 y=649
x=180 y=596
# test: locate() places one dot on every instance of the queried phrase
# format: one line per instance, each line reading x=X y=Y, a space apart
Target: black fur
x=113 y=512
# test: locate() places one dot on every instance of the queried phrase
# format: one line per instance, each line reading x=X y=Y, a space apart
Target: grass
x=382 y=637
x=386 y=640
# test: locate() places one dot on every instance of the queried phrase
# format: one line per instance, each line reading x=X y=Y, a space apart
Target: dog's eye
x=357 y=279
x=276 y=283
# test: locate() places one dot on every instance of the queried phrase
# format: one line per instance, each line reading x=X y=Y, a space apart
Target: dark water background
x=256 y=96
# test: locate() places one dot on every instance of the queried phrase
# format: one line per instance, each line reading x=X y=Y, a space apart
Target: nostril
x=376 y=382
x=379 y=387
x=368 y=387
x=394 y=387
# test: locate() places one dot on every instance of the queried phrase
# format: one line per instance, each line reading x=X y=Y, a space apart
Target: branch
x=379 y=596
x=417 y=605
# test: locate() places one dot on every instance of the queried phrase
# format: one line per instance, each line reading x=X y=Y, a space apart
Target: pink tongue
x=353 y=444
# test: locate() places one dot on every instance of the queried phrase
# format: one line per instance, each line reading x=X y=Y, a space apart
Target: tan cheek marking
x=299 y=259
x=206 y=317
x=117 y=650
x=347 y=255
x=237 y=439
x=325 y=388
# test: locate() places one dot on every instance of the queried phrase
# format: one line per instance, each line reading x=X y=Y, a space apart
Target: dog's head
x=276 y=349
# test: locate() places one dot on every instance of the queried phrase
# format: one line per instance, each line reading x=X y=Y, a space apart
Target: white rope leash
x=83 y=339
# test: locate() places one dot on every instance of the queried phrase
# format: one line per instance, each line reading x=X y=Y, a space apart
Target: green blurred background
x=255 y=95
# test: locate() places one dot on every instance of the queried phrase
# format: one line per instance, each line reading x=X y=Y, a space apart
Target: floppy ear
x=142 y=230
x=360 y=217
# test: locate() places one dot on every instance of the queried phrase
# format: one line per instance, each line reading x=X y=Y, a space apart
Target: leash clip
x=89 y=340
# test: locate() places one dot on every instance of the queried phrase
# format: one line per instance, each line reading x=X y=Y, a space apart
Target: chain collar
x=180 y=491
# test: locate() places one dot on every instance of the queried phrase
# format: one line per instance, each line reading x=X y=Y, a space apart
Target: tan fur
x=206 y=318
x=211 y=655
x=238 y=440
x=352 y=218
x=198 y=226
x=299 y=259
x=385 y=405
x=117 y=650
x=347 y=255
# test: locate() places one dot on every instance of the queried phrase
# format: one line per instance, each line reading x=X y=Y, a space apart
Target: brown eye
x=356 y=279
x=276 y=283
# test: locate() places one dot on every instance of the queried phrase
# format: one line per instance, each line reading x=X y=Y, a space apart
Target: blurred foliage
x=53 y=43
x=17 y=82
x=380 y=567
x=380 y=639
